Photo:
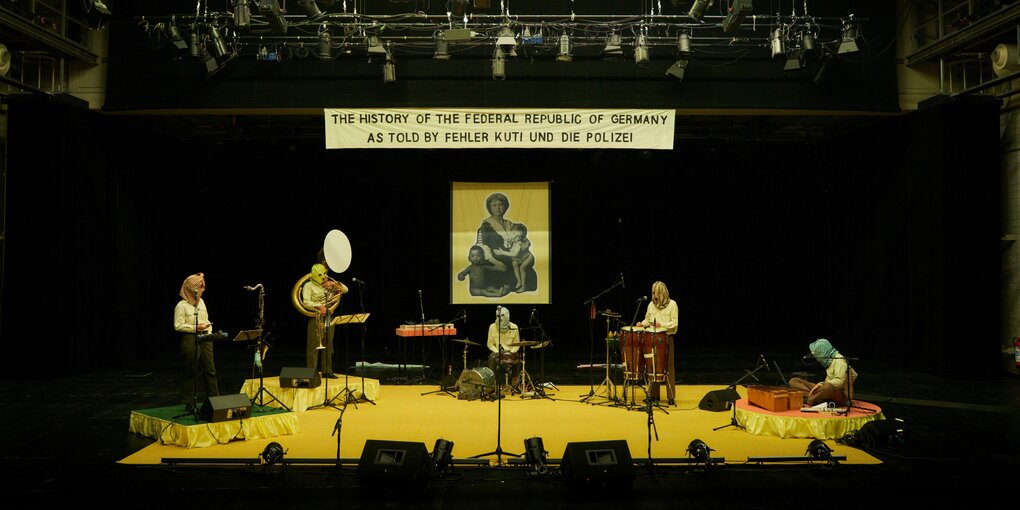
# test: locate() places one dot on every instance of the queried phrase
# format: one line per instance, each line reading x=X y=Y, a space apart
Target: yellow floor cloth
x=205 y=435
x=403 y=414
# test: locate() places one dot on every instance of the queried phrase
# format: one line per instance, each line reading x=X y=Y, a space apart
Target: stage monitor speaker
x=299 y=377
x=235 y=406
x=597 y=464
x=394 y=466
x=718 y=400
x=878 y=433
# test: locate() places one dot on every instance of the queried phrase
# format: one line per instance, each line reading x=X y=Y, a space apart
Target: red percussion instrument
x=632 y=348
x=656 y=342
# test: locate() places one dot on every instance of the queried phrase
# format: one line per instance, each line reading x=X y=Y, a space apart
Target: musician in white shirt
x=503 y=333
x=661 y=314
x=191 y=318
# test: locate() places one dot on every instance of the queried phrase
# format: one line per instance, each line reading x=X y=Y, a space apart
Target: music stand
x=248 y=335
x=357 y=318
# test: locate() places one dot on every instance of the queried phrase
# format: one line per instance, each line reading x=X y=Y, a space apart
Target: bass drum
x=476 y=383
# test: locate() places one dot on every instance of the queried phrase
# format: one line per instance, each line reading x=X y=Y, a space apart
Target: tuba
x=332 y=298
x=336 y=249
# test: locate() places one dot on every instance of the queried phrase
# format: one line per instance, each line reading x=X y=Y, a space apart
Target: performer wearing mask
x=191 y=318
x=839 y=377
x=319 y=293
x=662 y=314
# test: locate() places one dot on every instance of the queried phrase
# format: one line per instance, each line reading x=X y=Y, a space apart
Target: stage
x=478 y=427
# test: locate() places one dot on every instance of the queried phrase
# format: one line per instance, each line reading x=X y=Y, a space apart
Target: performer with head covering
x=839 y=377
x=662 y=314
x=191 y=318
x=502 y=332
x=319 y=293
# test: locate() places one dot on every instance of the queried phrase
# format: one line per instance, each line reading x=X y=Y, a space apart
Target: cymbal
x=540 y=345
x=608 y=313
x=466 y=341
x=525 y=343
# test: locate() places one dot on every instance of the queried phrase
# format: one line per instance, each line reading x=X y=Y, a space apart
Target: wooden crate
x=771 y=398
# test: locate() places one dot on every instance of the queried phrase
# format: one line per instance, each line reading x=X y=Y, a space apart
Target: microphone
x=362 y=282
x=532 y=316
x=256 y=287
x=419 y=293
x=807 y=357
x=258 y=359
x=622 y=282
x=642 y=298
x=465 y=317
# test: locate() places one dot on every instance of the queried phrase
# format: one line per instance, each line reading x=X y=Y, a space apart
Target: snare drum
x=509 y=358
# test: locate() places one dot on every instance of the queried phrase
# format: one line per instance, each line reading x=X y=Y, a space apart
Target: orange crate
x=771 y=398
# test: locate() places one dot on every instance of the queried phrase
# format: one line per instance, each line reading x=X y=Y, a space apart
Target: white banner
x=496 y=128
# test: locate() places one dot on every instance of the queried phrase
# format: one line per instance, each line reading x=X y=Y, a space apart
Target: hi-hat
x=525 y=343
x=466 y=341
x=608 y=313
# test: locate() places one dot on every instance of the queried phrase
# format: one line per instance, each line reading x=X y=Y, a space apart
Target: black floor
x=63 y=436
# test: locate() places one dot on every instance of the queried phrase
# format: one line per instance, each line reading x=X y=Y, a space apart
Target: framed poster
x=500 y=243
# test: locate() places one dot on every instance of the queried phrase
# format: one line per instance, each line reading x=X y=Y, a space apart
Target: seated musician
x=662 y=314
x=839 y=377
x=502 y=332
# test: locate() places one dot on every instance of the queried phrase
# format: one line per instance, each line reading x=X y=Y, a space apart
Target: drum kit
x=481 y=382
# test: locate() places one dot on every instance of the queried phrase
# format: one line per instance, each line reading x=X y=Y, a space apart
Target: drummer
x=661 y=315
x=503 y=333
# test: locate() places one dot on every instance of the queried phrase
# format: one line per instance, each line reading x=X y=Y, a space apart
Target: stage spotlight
x=683 y=44
x=793 y=60
x=274 y=15
x=848 y=41
x=242 y=14
x=564 y=55
x=442 y=455
x=177 y=43
x=535 y=454
x=272 y=454
x=312 y=10
x=389 y=69
x=700 y=452
x=375 y=46
x=807 y=44
x=641 y=53
x=698 y=8
x=219 y=47
x=776 y=43
x=678 y=69
x=194 y=49
x=498 y=65
x=818 y=450
x=325 y=50
x=738 y=9
x=442 y=48
x=613 y=48
x=505 y=40
x=98 y=13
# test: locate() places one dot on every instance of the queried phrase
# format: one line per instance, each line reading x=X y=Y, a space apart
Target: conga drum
x=655 y=341
x=631 y=349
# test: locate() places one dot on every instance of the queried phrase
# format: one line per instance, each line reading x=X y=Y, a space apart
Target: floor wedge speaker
x=234 y=406
x=394 y=467
x=718 y=400
x=597 y=465
x=299 y=377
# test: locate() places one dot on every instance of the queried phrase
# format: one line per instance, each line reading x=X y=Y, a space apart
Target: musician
x=191 y=318
x=662 y=314
x=318 y=293
x=839 y=377
x=503 y=333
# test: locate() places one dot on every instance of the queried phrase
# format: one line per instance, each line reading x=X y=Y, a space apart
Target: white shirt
x=664 y=318
x=184 y=316
x=497 y=337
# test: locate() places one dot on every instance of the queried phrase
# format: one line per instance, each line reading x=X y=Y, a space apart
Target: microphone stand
x=194 y=368
x=498 y=452
x=627 y=382
x=442 y=387
x=591 y=337
x=733 y=404
x=363 y=397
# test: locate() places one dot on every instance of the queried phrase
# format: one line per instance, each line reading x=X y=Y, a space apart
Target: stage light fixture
x=442 y=455
x=375 y=46
x=818 y=450
x=97 y=12
x=506 y=40
x=325 y=49
x=389 y=69
x=776 y=43
x=219 y=47
x=274 y=15
x=564 y=54
x=808 y=49
x=442 y=48
x=242 y=14
x=738 y=10
x=793 y=60
x=698 y=8
x=641 y=53
x=535 y=454
x=177 y=43
x=683 y=44
x=272 y=454
x=312 y=10
x=498 y=65
x=613 y=48
x=848 y=40
x=194 y=49
x=700 y=452
x=678 y=69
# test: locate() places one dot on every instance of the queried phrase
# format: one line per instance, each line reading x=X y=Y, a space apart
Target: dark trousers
x=199 y=369
x=321 y=359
